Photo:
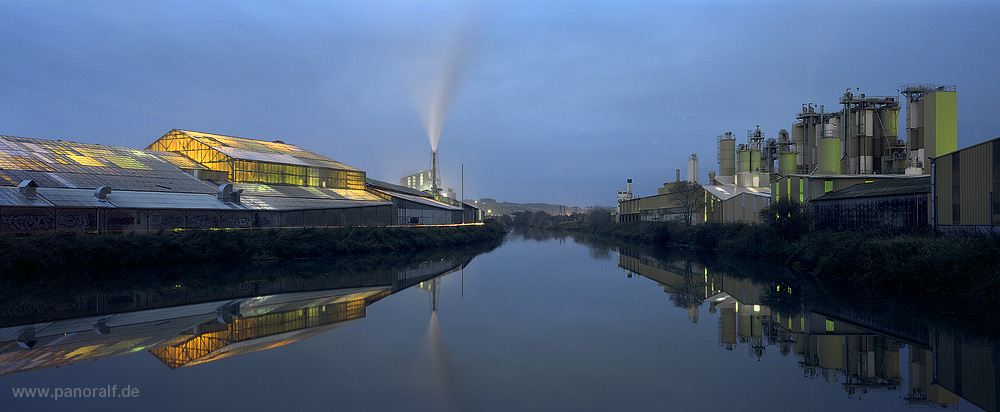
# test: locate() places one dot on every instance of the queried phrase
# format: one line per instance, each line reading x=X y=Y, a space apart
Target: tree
x=690 y=198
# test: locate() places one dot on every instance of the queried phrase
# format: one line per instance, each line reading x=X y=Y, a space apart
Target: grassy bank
x=40 y=252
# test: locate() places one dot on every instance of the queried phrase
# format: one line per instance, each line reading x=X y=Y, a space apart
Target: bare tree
x=690 y=198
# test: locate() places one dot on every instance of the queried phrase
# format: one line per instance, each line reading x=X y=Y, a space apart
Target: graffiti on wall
x=204 y=221
x=27 y=222
x=238 y=221
x=76 y=221
x=121 y=220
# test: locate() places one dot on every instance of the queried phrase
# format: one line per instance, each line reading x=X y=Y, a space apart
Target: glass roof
x=57 y=163
x=263 y=151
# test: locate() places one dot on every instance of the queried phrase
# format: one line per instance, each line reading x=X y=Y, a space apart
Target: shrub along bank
x=33 y=252
x=946 y=265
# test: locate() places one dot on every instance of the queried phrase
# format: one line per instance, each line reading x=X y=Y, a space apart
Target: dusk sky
x=556 y=102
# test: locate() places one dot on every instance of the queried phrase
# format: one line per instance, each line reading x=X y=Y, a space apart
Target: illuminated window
x=827 y=186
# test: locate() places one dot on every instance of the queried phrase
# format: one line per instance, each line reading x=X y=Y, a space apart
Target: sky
x=552 y=101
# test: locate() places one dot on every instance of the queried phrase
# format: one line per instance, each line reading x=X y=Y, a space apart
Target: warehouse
x=965 y=187
x=185 y=180
x=897 y=203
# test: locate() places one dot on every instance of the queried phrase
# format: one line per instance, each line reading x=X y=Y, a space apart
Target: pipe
x=933 y=194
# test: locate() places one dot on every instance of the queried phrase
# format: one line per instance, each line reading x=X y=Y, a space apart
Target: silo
x=890 y=124
x=727 y=326
x=743 y=159
x=828 y=154
x=754 y=160
x=830 y=350
x=786 y=162
x=727 y=155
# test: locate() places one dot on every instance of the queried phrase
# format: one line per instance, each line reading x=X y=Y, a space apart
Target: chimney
x=711 y=178
x=678 y=175
x=630 y=187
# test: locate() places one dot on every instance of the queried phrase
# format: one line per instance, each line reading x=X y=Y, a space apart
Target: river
x=540 y=323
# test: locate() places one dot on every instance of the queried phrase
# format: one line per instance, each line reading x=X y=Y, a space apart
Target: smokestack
x=435 y=177
x=630 y=187
x=678 y=175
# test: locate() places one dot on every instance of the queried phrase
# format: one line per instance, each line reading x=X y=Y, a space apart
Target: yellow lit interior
x=201 y=148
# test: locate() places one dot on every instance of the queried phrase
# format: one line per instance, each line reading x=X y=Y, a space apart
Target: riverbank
x=952 y=266
x=23 y=254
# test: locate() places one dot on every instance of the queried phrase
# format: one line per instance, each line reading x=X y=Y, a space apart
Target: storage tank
x=828 y=154
x=754 y=160
x=727 y=155
x=786 y=162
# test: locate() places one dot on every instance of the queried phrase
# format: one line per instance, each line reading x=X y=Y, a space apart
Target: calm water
x=537 y=324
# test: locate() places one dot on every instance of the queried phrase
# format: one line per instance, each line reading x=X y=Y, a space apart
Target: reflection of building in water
x=210 y=330
x=836 y=351
x=192 y=327
x=864 y=361
x=924 y=387
x=688 y=285
x=969 y=369
x=273 y=324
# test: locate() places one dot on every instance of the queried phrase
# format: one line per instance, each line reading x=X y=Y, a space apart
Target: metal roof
x=285 y=203
x=162 y=200
x=11 y=196
x=726 y=192
x=305 y=192
x=395 y=188
x=893 y=187
x=63 y=197
x=421 y=200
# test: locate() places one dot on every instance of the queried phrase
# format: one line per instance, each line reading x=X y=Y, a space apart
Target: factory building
x=423 y=181
x=185 y=180
x=966 y=187
x=675 y=201
x=728 y=203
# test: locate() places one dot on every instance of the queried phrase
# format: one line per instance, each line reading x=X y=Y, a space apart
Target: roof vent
x=101 y=327
x=225 y=190
x=26 y=339
x=102 y=193
x=234 y=196
x=27 y=188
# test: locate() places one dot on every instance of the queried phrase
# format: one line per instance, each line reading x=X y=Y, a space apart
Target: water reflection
x=189 y=325
x=859 y=352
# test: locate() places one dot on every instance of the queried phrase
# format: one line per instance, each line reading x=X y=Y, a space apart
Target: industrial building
x=190 y=180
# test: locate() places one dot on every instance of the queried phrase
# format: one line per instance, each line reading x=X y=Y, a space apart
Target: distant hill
x=494 y=207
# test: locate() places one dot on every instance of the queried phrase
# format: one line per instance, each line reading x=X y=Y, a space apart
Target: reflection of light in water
x=442 y=377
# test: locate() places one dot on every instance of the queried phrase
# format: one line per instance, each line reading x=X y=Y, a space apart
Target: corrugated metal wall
x=964 y=181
